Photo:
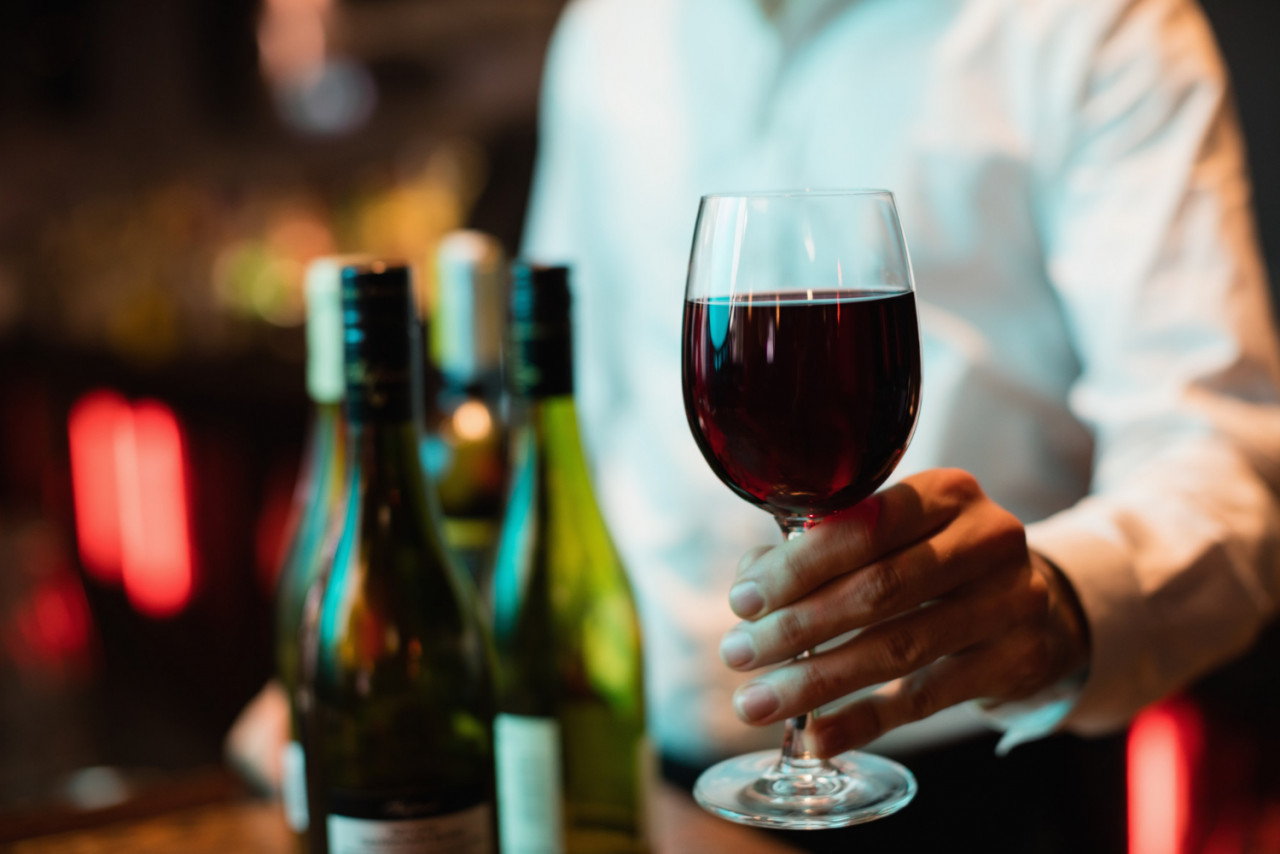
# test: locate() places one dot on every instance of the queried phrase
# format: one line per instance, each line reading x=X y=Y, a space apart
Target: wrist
x=1068 y=629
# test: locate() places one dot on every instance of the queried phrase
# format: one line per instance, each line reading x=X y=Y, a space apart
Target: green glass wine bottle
x=316 y=502
x=572 y=755
x=466 y=444
x=403 y=679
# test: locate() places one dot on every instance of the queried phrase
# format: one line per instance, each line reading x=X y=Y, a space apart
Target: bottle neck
x=540 y=360
x=468 y=317
x=486 y=385
x=386 y=452
x=457 y=372
x=553 y=421
x=326 y=419
x=322 y=474
x=326 y=450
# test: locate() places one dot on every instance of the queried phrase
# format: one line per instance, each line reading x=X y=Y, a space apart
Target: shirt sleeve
x=1149 y=240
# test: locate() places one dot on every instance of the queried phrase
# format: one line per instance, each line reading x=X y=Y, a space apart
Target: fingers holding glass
x=1007 y=669
x=886 y=651
x=979 y=542
x=902 y=515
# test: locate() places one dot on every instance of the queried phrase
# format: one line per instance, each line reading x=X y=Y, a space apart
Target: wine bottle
x=320 y=488
x=403 y=680
x=572 y=755
x=465 y=450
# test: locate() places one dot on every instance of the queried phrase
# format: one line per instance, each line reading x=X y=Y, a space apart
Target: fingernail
x=745 y=599
x=736 y=648
x=755 y=702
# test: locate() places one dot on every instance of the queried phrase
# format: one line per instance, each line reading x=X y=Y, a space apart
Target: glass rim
x=799 y=192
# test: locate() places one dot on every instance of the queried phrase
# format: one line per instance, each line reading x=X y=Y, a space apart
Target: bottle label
x=530 y=811
x=293 y=786
x=465 y=832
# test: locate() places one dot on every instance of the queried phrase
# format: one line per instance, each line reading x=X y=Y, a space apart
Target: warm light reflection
x=261 y=276
x=1163 y=742
x=292 y=39
x=472 y=421
x=130 y=485
x=316 y=91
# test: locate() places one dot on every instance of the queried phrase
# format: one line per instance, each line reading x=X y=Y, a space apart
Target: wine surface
x=802 y=405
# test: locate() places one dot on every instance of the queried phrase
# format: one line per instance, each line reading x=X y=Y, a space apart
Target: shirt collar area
x=797 y=20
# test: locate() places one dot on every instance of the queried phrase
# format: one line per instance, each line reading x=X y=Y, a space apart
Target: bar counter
x=257 y=827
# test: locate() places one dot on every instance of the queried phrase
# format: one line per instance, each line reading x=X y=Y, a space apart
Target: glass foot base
x=851 y=788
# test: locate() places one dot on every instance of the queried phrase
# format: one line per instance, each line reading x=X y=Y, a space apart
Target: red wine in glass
x=802 y=402
x=801 y=369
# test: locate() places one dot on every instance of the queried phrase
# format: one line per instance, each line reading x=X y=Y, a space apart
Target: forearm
x=1174 y=573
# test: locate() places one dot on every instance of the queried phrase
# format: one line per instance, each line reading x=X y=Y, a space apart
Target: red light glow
x=51 y=628
x=157 y=548
x=130 y=481
x=61 y=618
x=92 y=427
x=1162 y=751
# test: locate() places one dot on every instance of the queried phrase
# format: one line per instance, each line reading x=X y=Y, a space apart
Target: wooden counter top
x=257 y=827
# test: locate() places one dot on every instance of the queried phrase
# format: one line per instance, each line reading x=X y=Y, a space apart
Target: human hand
x=952 y=604
x=254 y=744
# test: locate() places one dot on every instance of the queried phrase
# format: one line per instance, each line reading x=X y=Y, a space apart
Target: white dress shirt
x=1096 y=332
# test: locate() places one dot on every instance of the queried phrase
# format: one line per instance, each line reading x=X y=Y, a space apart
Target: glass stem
x=794 y=752
x=796 y=758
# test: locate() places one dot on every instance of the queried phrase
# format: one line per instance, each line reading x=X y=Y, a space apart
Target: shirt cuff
x=1085 y=546
x=1035 y=717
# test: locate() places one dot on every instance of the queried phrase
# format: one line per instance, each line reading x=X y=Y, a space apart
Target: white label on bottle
x=466 y=832
x=530 y=811
x=293 y=786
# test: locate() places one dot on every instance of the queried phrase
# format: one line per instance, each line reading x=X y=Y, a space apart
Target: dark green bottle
x=317 y=501
x=403 y=690
x=572 y=756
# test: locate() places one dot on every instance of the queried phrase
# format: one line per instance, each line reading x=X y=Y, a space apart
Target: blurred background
x=167 y=168
x=166 y=171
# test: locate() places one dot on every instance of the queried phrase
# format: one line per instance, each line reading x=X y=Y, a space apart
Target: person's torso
x=941 y=102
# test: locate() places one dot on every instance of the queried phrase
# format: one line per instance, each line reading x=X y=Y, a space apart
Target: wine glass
x=801 y=371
